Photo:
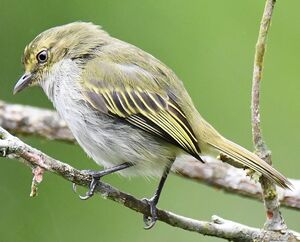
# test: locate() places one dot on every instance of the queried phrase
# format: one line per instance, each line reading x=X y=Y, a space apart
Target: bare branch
x=14 y=148
x=27 y=120
x=275 y=220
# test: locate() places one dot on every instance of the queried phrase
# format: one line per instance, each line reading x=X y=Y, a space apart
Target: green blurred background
x=210 y=45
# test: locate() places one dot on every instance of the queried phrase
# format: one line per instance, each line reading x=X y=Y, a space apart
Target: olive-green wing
x=152 y=112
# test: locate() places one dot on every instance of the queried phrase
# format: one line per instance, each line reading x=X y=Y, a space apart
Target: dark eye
x=42 y=56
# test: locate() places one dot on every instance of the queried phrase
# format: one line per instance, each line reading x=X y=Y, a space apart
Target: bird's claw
x=74 y=187
x=86 y=196
x=150 y=220
x=3 y=151
x=92 y=188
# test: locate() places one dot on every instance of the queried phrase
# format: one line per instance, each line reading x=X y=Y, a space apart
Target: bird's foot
x=96 y=175
x=95 y=180
x=150 y=220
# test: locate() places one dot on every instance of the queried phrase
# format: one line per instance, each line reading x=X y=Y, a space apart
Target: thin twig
x=275 y=220
x=13 y=148
x=27 y=120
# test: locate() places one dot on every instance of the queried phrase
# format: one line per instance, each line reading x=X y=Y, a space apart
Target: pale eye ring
x=42 y=56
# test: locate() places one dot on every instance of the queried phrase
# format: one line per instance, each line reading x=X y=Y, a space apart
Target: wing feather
x=154 y=113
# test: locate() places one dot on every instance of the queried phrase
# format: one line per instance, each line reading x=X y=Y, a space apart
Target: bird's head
x=77 y=41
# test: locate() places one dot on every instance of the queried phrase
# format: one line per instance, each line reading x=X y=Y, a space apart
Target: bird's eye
x=42 y=56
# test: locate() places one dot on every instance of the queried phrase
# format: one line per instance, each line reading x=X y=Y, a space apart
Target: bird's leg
x=151 y=220
x=96 y=175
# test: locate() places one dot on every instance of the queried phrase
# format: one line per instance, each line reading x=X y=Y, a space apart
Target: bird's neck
x=63 y=74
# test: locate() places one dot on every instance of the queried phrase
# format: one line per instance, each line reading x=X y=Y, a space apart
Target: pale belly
x=110 y=141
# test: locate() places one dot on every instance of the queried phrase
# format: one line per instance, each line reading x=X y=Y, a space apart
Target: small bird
x=127 y=110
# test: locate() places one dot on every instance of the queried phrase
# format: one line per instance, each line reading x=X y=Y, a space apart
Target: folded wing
x=147 y=110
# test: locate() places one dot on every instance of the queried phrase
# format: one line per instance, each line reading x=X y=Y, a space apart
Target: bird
x=128 y=111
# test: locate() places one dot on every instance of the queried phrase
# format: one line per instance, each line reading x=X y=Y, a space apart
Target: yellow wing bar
x=154 y=113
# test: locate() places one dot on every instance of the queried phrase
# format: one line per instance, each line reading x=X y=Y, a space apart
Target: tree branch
x=275 y=220
x=13 y=148
x=27 y=120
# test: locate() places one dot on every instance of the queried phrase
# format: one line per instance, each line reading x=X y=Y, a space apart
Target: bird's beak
x=23 y=82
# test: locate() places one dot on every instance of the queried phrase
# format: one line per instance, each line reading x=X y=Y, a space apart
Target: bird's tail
x=252 y=161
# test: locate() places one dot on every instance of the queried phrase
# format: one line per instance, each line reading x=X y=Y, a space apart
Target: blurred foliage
x=210 y=45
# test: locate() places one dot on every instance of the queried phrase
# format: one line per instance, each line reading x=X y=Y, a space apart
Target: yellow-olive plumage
x=123 y=105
